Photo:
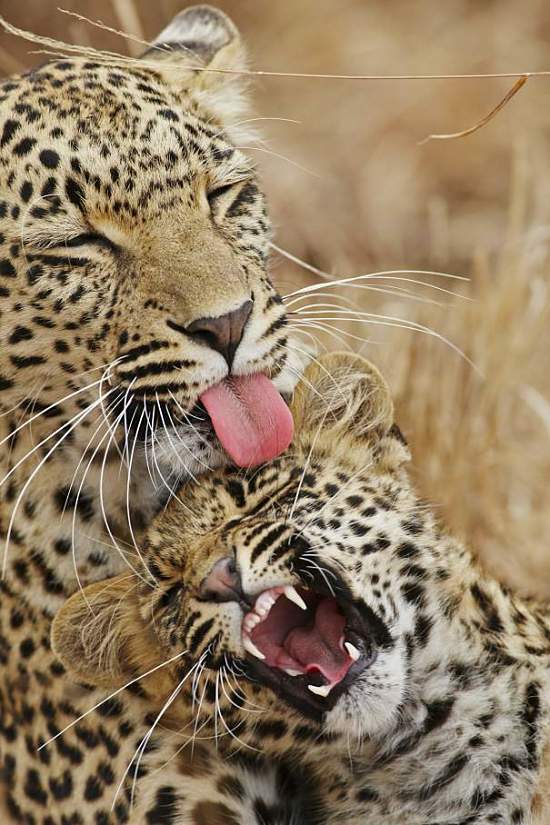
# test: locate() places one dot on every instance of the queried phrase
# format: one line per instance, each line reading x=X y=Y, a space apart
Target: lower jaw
x=296 y=694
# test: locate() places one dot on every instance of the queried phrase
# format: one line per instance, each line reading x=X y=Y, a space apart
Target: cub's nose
x=223 y=583
x=224 y=333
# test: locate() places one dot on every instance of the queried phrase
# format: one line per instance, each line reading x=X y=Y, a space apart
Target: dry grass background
x=479 y=206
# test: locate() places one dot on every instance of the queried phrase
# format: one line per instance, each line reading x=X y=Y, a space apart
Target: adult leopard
x=134 y=297
x=323 y=618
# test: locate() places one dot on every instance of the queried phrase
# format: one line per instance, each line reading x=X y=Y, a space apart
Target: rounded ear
x=199 y=38
x=343 y=392
x=198 y=32
x=89 y=634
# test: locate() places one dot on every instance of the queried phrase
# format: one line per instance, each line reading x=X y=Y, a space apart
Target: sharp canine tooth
x=323 y=690
x=292 y=672
x=292 y=594
x=352 y=651
x=249 y=645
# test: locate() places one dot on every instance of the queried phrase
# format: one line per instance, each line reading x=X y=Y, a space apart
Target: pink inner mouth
x=250 y=418
x=299 y=641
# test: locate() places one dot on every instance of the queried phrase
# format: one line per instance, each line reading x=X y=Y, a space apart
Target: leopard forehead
x=113 y=146
x=106 y=123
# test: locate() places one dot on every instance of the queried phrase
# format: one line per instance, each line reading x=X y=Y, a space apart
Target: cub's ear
x=91 y=632
x=344 y=395
x=199 y=38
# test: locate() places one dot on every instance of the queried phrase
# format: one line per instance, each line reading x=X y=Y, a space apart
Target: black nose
x=223 y=583
x=224 y=334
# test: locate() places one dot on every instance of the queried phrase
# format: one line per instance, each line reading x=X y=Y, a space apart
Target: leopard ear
x=344 y=395
x=90 y=634
x=201 y=51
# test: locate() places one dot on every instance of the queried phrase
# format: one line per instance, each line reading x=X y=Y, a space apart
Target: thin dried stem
x=105 y=55
x=519 y=84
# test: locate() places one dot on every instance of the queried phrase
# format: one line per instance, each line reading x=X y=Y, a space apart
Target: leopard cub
x=313 y=613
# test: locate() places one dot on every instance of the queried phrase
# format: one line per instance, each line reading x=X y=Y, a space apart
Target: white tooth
x=292 y=672
x=251 y=620
x=292 y=594
x=249 y=645
x=352 y=651
x=323 y=690
x=264 y=603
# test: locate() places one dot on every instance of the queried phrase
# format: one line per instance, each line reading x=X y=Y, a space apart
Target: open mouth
x=306 y=645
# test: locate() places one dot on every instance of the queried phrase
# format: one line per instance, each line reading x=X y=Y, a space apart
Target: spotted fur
x=128 y=210
x=448 y=724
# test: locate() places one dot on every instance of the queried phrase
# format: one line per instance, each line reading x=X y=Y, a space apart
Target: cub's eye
x=218 y=192
x=170 y=595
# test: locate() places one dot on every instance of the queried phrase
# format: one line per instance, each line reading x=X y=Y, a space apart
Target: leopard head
x=134 y=243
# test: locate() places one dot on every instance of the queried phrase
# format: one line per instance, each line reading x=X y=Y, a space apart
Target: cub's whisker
x=112 y=696
x=137 y=757
x=230 y=731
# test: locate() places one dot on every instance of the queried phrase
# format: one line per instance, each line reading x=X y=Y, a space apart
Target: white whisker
x=392 y=322
x=306 y=466
x=128 y=481
x=46 y=410
x=340 y=281
x=104 y=511
x=75 y=422
x=143 y=745
x=112 y=696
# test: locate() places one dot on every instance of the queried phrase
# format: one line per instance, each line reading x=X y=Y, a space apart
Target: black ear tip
x=395 y=431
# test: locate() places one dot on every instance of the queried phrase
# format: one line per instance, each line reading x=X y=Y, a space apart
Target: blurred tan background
x=352 y=191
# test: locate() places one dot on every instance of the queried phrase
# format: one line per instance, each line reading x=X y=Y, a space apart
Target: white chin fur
x=370 y=708
x=181 y=454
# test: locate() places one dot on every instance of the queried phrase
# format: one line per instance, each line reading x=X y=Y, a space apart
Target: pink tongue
x=250 y=418
x=318 y=647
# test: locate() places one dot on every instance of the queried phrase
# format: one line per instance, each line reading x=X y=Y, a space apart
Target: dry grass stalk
x=484 y=120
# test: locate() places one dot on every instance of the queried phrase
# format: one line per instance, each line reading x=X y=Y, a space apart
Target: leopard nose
x=223 y=582
x=224 y=333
